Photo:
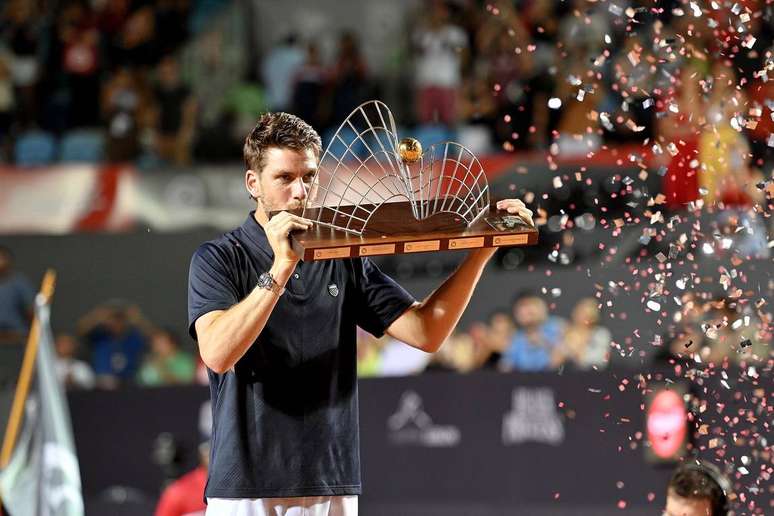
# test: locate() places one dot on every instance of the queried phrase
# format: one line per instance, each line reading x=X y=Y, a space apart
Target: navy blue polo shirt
x=285 y=419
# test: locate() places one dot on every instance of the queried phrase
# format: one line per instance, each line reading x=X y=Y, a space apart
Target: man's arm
x=225 y=335
x=428 y=324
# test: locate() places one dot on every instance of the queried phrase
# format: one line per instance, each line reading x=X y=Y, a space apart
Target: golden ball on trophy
x=410 y=150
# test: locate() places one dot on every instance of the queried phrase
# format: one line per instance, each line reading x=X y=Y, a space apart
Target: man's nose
x=299 y=189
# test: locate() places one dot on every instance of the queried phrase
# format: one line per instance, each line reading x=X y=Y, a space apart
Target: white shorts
x=301 y=506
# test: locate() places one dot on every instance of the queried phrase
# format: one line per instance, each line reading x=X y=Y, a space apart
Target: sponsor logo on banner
x=533 y=418
x=410 y=425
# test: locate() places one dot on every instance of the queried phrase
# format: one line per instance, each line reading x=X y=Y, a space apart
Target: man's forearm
x=230 y=335
x=436 y=317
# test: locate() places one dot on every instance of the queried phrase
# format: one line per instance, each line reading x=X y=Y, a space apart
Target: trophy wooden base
x=394 y=230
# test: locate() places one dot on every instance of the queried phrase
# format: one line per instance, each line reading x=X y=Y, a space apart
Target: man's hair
x=281 y=130
x=696 y=482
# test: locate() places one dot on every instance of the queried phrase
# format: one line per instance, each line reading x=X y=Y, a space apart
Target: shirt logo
x=333 y=289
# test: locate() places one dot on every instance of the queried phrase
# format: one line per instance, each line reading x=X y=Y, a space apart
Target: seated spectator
x=116 y=335
x=697 y=490
x=72 y=372
x=501 y=330
x=175 y=114
x=167 y=363
x=536 y=337
x=16 y=301
x=584 y=344
x=455 y=355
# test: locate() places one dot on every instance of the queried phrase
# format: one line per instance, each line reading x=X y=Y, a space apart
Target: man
x=536 y=337
x=278 y=338
x=697 y=490
x=16 y=301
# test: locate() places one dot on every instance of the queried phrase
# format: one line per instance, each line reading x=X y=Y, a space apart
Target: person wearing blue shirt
x=278 y=337
x=535 y=337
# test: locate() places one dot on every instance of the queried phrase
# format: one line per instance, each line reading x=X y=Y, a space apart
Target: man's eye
x=308 y=178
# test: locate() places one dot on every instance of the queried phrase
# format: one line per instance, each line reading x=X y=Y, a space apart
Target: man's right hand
x=278 y=233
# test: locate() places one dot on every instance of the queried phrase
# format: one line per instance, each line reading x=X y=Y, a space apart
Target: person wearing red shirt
x=185 y=496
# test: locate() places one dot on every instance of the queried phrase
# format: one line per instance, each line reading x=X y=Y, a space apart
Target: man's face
x=678 y=506
x=285 y=179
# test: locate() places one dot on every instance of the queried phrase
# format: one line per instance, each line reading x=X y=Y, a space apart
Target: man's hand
x=278 y=232
x=516 y=206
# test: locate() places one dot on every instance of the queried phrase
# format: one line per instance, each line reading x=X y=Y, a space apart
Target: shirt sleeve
x=380 y=300
x=211 y=284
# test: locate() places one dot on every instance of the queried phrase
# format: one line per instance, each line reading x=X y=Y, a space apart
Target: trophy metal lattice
x=375 y=194
x=362 y=168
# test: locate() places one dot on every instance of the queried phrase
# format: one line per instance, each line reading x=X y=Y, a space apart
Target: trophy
x=373 y=194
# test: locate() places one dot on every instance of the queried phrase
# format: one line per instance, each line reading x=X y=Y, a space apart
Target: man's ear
x=253 y=184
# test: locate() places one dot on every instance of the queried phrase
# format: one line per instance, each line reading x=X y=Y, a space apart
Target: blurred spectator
x=309 y=88
x=400 y=359
x=175 y=114
x=16 y=300
x=679 y=130
x=369 y=354
x=279 y=70
x=167 y=364
x=723 y=151
x=456 y=355
x=536 y=336
x=576 y=102
x=7 y=104
x=136 y=44
x=503 y=43
x=501 y=329
x=441 y=49
x=116 y=335
x=72 y=372
x=348 y=79
x=78 y=41
x=585 y=343
x=171 y=24
x=21 y=27
x=123 y=107
x=185 y=496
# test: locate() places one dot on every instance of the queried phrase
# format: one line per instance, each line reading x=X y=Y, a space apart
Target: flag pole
x=25 y=376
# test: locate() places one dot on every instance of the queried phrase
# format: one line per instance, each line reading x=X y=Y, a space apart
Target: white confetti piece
x=653 y=305
x=554 y=103
x=707 y=248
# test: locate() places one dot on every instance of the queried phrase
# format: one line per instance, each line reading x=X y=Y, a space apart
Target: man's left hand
x=516 y=207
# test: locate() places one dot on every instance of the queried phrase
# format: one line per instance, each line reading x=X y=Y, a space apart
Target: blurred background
x=640 y=133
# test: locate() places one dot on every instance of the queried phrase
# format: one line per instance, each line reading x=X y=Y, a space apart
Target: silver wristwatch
x=267 y=281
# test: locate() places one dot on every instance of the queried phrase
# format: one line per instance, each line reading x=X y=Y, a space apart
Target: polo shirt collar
x=256 y=234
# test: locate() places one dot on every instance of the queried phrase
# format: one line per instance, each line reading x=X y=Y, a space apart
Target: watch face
x=264 y=280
